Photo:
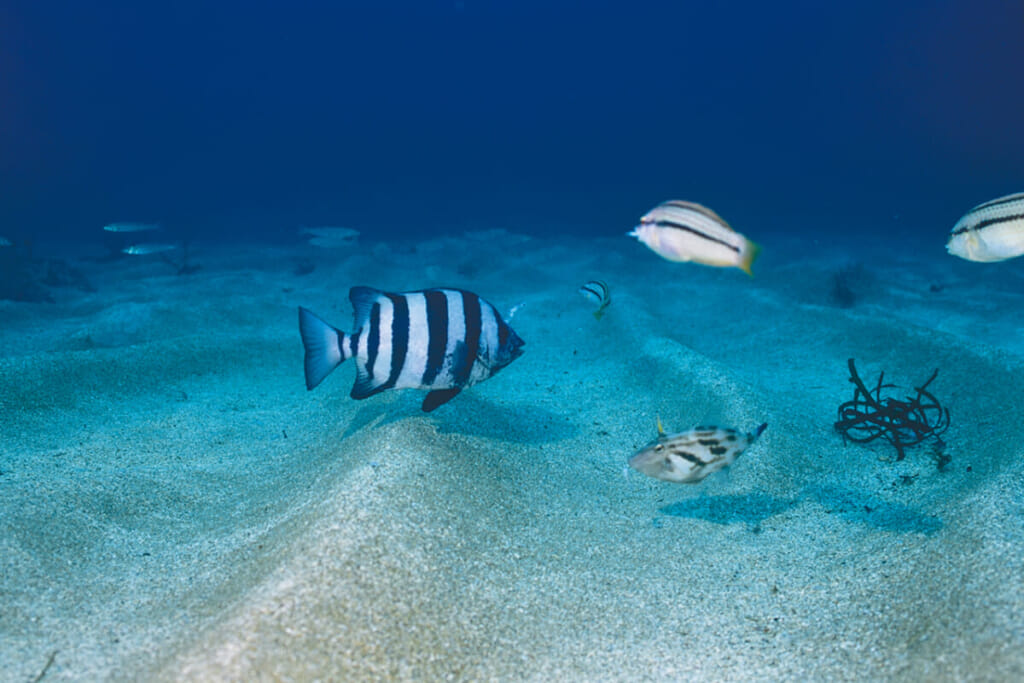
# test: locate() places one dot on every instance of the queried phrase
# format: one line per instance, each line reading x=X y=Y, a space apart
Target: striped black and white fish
x=687 y=231
x=689 y=457
x=443 y=340
x=598 y=292
x=993 y=231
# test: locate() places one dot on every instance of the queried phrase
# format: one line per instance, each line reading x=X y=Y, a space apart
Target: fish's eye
x=659 y=448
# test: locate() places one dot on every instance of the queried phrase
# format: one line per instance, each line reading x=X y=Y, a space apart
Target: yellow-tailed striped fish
x=686 y=231
x=993 y=231
x=598 y=292
x=689 y=457
x=131 y=227
x=146 y=249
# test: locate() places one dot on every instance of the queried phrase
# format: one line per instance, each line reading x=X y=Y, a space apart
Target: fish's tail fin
x=758 y=431
x=325 y=347
x=751 y=250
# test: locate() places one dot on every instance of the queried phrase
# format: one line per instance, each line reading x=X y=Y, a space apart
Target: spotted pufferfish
x=688 y=457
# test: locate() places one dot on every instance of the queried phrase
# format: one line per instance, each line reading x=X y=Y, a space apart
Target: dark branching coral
x=902 y=423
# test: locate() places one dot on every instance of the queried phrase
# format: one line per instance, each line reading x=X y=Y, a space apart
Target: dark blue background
x=395 y=117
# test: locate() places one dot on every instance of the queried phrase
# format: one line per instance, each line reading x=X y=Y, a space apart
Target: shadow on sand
x=855 y=506
x=469 y=415
x=750 y=509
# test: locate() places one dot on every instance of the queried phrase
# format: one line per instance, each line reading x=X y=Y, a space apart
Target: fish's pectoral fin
x=438 y=398
x=365 y=386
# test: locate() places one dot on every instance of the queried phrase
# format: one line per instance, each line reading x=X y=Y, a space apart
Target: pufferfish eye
x=659 y=448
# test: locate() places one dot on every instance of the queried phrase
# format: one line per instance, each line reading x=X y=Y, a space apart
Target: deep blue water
x=242 y=120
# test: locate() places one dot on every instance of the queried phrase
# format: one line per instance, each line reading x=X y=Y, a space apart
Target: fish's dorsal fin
x=661 y=429
x=701 y=209
x=363 y=299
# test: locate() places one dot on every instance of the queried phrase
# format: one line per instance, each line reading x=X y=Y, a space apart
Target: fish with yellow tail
x=689 y=457
x=598 y=292
x=993 y=231
x=687 y=231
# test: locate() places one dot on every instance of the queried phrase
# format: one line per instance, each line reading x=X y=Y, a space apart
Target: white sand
x=175 y=505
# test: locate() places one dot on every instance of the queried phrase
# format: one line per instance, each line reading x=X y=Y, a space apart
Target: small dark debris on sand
x=46 y=667
x=848 y=283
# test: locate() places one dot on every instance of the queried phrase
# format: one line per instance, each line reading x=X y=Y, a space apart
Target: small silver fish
x=330 y=237
x=146 y=249
x=689 y=457
x=687 y=231
x=131 y=227
x=993 y=231
x=598 y=292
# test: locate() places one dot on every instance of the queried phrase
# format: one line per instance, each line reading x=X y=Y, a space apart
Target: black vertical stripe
x=399 y=337
x=437 y=334
x=353 y=343
x=373 y=340
x=471 y=309
x=502 y=331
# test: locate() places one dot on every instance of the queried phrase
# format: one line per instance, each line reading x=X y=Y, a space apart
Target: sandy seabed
x=174 y=505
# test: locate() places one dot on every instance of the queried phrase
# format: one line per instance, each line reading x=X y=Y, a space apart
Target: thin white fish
x=689 y=457
x=993 y=231
x=131 y=227
x=147 y=249
x=330 y=237
x=686 y=231
x=598 y=292
x=515 y=309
